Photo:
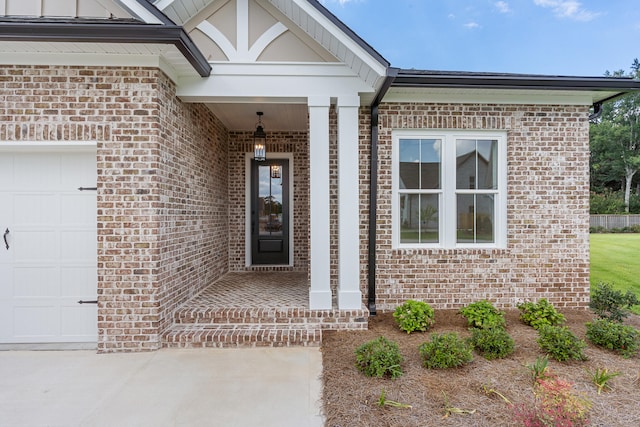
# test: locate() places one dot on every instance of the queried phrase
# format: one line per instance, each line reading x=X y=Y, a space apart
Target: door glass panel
x=269 y=202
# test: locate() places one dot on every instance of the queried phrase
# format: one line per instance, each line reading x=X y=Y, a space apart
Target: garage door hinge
x=87 y=302
x=88 y=188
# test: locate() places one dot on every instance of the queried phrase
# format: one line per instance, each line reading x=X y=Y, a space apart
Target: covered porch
x=257 y=309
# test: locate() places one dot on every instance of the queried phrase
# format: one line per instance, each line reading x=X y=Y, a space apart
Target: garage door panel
x=78 y=282
x=80 y=173
x=35 y=246
x=35 y=208
x=79 y=321
x=78 y=209
x=36 y=321
x=32 y=282
x=77 y=245
x=6 y=173
x=40 y=172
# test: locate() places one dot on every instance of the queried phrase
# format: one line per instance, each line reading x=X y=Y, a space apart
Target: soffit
x=498 y=96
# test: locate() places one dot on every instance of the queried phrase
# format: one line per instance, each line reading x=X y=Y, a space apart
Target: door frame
x=247 y=206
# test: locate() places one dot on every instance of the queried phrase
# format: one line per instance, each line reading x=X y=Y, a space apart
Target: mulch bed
x=351 y=399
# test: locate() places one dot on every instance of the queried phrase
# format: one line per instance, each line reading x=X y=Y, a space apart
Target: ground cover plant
x=378 y=358
x=480 y=393
x=482 y=314
x=414 y=316
x=538 y=314
x=615 y=336
x=444 y=351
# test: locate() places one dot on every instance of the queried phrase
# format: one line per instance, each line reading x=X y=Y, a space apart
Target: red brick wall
x=162 y=215
x=547 y=253
x=296 y=143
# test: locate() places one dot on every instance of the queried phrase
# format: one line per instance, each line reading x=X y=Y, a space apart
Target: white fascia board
x=279 y=86
x=347 y=41
x=93 y=59
x=317 y=69
x=489 y=96
x=163 y=4
x=139 y=11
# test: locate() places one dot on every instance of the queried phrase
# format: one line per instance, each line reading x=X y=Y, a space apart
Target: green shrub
x=482 y=314
x=414 y=316
x=611 y=304
x=378 y=358
x=539 y=314
x=560 y=343
x=493 y=343
x=614 y=336
x=446 y=350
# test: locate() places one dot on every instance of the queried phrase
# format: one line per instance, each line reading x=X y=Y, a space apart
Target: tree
x=615 y=140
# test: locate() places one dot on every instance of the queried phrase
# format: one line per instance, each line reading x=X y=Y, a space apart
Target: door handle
x=4 y=236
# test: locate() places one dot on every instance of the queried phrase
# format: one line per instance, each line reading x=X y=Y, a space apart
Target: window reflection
x=476 y=164
x=269 y=202
x=475 y=218
x=420 y=163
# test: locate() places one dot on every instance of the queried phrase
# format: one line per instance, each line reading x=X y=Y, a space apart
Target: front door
x=270 y=212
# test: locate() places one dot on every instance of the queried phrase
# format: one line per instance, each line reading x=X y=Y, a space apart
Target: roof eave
x=426 y=79
x=107 y=33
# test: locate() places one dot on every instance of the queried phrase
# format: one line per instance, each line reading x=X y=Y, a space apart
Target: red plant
x=555 y=405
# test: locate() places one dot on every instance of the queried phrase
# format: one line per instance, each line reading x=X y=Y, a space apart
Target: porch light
x=276 y=172
x=259 y=140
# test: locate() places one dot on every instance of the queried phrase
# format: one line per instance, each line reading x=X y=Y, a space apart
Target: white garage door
x=48 y=255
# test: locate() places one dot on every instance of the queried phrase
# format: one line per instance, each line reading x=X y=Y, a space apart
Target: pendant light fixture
x=259 y=140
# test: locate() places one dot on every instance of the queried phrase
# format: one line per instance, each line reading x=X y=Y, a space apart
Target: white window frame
x=447 y=215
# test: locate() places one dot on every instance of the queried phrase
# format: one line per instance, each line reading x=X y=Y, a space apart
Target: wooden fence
x=614 y=221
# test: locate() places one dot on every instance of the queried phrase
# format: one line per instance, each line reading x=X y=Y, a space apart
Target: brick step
x=294 y=317
x=241 y=335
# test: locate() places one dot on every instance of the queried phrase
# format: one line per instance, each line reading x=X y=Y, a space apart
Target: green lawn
x=615 y=259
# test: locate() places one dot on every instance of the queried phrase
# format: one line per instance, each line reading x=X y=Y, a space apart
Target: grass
x=615 y=259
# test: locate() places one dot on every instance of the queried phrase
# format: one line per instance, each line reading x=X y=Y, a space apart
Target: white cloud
x=502 y=6
x=570 y=9
x=340 y=2
x=472 y=25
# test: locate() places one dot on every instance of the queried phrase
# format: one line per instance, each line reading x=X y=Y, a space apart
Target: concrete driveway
x=208 y=387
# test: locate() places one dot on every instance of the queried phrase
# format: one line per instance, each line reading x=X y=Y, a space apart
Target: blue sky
x=557 y=37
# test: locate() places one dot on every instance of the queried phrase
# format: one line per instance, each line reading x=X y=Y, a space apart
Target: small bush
x=482 y=314
x=611 y=304
x=556 y=404
x=539 y=314
x=414 y=316
x=446 y=350
x=493 y=343
x=614 y=336
x=379 y=358
x=560 y=343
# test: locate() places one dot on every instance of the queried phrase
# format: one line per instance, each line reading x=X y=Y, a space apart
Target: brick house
x=135 y=216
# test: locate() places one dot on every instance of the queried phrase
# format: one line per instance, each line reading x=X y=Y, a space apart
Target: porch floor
x=252 y=309
x=254 y=290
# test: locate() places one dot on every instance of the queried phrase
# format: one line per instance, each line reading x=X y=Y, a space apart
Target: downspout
x=373 y=188
x=597 y=112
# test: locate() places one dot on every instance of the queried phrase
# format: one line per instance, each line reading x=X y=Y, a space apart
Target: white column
x=320 y=292
x=349 y=295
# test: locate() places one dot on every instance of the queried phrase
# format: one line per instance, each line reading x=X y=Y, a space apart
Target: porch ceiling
x=277 y=117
